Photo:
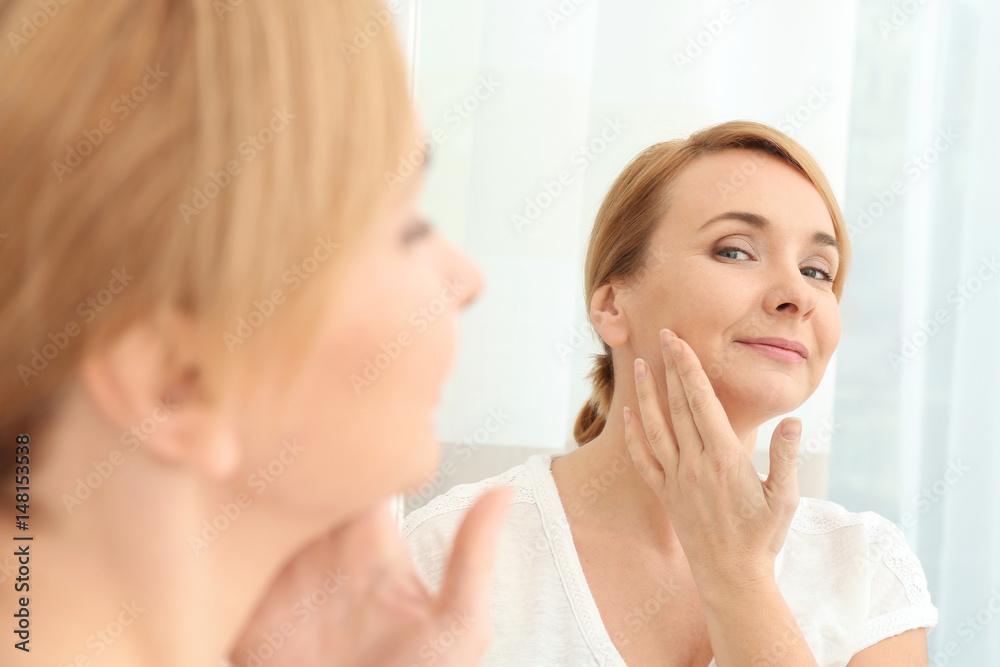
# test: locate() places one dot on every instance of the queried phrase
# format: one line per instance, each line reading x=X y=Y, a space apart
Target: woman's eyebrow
x=762 y=223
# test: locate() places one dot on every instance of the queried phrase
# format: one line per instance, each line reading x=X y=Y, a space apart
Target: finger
x=650 y=469
x=709 y=417
x=782 y=478
x=657 y=431
x=467 y=584
x=685 y=430
x=368 y=540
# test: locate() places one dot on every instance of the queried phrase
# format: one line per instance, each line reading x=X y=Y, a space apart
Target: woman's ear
x=146 y=382
x=607 y=315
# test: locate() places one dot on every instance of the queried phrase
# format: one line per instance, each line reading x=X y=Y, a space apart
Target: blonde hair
x=184 y=154
x=637 y=202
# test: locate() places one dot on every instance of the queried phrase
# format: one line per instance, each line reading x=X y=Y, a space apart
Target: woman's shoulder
x=857 y=558
x=450 y=507
x=429 y=531
x=859 y=539
x=815 y=516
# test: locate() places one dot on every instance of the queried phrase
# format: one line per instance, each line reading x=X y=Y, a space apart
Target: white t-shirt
x=849 y=579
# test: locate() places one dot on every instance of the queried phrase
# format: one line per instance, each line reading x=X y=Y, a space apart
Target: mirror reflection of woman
x=714 y=274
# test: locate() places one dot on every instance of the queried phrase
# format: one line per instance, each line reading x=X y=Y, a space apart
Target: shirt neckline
x=557 y=531
x=560 y=538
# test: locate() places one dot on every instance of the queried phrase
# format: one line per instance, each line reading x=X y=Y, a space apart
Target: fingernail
x=791 y=430
x=628 y=416
x=640 y=369
x=665 y=337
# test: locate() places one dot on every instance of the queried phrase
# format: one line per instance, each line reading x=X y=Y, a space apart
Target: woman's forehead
x=753 y=187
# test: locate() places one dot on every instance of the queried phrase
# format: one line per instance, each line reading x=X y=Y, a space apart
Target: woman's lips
x=776 y=353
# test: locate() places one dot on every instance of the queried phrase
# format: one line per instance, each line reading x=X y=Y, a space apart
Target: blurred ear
x=147 y=381
x=607 y=316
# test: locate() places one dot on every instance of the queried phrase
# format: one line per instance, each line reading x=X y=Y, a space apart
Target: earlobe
x=197 y=437
x=608 y=316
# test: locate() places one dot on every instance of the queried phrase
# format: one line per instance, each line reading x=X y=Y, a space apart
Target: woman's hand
x=730 y=524
x=352 y=598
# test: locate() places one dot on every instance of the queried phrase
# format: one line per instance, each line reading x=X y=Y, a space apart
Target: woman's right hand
x=352 y=598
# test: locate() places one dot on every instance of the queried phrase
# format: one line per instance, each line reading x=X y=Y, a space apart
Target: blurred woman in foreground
x=204 y=245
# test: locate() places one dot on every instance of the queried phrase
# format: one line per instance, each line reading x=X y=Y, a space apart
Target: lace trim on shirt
x=897 y=622
x=886 y=538
x=464 y=496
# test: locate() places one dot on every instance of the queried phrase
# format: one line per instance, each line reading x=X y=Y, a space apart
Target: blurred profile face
x=361 y=409
x=732 y=264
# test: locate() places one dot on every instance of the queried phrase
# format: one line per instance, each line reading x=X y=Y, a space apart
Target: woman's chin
x=425 y=461
x=766 y=398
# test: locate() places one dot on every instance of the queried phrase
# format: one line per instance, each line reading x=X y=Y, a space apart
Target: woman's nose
x=789 y=292
x=465 y=274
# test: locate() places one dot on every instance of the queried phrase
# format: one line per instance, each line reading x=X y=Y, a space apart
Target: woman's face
x=741 y=256
x=361 y=409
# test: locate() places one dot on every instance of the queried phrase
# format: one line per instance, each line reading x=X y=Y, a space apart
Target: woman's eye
x=731 y=250
x=824 y=275
x=419 y=230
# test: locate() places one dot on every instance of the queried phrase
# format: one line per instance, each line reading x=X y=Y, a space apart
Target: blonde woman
x=714 y=274
x=200 y=255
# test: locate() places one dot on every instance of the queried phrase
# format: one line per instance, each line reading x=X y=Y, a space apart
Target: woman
x=714 y=274
x=200 y=257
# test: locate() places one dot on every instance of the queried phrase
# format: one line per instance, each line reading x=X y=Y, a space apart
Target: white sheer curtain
x=917 y=387
x=533 y=107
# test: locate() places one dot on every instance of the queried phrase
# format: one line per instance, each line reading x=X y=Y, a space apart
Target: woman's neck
x=599 y=482
x=136 y=563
